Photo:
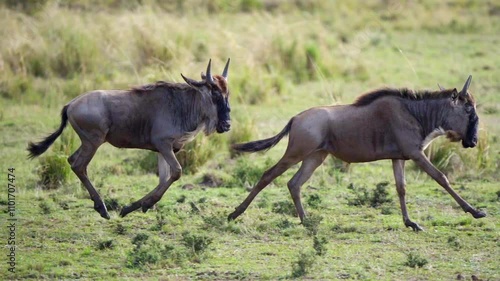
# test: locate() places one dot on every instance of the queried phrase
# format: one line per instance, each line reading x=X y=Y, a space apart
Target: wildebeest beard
x=224 y=120
x=470 y=139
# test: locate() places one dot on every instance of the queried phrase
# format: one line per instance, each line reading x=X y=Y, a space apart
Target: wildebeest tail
x=259 y=145
x=36 y=149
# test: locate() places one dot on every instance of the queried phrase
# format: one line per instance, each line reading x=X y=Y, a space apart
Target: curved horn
x=226 y=69
x=209 y=77
x=441 y=87
x=466 y=86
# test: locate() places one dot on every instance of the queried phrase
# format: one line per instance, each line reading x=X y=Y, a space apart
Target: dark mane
x=153 y=86
x=402 y=93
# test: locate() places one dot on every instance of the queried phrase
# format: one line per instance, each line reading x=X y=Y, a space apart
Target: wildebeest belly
x=137 y=135
x=363 y=148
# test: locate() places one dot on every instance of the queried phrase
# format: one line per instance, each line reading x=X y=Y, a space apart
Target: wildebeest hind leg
x=79 y=162
x=398 y=167
x=307 y=168
x=268 y=176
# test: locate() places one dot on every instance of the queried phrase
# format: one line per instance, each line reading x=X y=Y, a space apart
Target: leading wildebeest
x=392 y=124
x=160 y=117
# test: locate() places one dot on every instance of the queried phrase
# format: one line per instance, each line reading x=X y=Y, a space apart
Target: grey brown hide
x=161 y=117
x=394 y=124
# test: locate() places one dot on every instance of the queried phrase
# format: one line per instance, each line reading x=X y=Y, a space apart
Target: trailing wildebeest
x=392 y=124
x=160 y=117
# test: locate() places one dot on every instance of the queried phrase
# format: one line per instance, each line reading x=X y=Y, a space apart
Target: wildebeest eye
x=468 y=108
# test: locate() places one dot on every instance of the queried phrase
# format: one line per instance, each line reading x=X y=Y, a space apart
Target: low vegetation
x=286 y=56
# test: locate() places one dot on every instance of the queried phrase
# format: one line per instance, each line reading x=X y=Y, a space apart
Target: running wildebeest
x=396 y=124
x=161 y=117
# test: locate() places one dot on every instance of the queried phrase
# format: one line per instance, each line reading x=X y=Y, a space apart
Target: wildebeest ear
x=454 y=94
x=191 y=82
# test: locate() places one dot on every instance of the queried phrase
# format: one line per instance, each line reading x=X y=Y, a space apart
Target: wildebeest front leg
x=398 y=166
x=155 y=195
x=163 y=168
x=440 y=178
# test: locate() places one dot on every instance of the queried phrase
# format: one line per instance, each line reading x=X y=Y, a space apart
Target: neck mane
x=429 y=108
x=403 y=93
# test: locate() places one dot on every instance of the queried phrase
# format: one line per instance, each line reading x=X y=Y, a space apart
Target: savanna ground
x=286 y=57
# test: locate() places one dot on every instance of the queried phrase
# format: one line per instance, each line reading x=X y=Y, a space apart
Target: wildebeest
x=161 y=117
x=395 y=124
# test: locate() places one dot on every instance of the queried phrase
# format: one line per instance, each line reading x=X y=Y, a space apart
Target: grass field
x=286 y=56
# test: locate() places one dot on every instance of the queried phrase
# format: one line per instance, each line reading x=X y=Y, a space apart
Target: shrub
x=45 y=207
x=380 y=195
x=143 y=254
x=150 y=251
x=319 y=245
x=160 y=219
x=284 y=207
x=105 y=244
x=120 y=229
x=112 y=204
x=149 y=162
x=284 y=224
x=314 y=201
x=415 y=260
x=140 y=238
x=303 y=264
x=198 y=152
x=197 y=243
x=54 y=170
x=311 y=223
x=363 y=197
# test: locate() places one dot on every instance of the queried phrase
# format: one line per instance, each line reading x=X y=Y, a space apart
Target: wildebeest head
x=217 y=87
x=463 y=122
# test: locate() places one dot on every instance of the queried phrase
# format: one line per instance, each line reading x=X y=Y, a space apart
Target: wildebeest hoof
x=478 y=214
x=101 y=209
x=146 y=208
x=232 y=216
x=414 y=226
x=130 y=208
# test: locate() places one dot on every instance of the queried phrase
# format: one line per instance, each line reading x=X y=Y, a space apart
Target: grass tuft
x=414 y=260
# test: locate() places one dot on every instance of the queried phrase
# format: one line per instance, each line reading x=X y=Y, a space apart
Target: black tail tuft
x=260 y=145
x=36 y=149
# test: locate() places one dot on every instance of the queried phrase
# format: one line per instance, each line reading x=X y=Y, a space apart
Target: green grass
x=286 y=57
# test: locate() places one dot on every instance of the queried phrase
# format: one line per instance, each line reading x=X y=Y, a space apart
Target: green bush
x=45 y=207
x=375 y=198
x=105 y=244
x=303 y=264
x=311 y=223
x=54 y=171
x=415 y=260
x=314 y=201
x=285 y=207
x=319 y=245
x=197 y=243
x=198 y=152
